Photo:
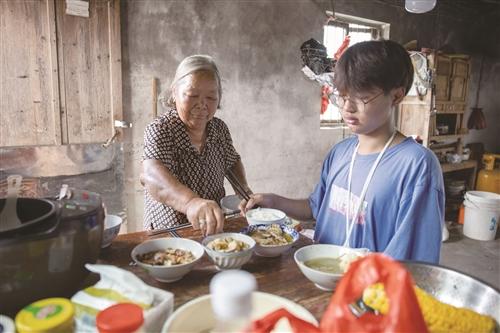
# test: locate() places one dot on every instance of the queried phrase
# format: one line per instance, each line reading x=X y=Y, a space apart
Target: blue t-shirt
x=403 y=211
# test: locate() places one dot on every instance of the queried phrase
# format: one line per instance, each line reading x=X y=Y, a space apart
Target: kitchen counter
x=282 y=277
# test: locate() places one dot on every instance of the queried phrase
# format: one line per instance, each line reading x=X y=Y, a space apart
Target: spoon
x=8 y=216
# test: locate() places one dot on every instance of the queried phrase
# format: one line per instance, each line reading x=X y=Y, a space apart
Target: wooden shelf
x=446 y=137
x=448 y=167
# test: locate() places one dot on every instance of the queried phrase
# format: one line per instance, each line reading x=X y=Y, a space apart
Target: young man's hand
x=259 y=199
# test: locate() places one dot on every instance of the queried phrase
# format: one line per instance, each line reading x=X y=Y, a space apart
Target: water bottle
x=231 y=297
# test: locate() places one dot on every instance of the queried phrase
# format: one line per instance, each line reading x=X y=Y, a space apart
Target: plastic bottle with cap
x=6 y=325
x=120 y=318
x=231 y=297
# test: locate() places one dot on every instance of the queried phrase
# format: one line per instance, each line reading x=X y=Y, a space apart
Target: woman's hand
x=205 y=215
x=260 y=199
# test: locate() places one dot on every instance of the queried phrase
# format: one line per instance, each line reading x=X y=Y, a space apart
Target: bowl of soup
x=324 y=264
x=265 y=216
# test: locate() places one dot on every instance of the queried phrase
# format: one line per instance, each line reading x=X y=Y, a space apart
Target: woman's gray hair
x=189 y=66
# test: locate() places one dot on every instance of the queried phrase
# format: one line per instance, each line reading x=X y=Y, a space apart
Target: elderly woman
x=187 y=152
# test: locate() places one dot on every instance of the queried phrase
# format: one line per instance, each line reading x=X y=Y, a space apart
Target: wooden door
x=442 y=78
x=458 y=81
x=29 y=90
x=90 y=76
x=60 y=76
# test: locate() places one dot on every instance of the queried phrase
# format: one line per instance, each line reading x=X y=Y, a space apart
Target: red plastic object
x=404 y=311
x=461 y=214
x=120 y=318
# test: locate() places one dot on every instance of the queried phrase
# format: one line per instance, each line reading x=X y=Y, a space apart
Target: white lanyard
x=349 y=227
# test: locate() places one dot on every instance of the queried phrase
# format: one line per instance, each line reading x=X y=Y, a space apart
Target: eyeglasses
x=360 y=104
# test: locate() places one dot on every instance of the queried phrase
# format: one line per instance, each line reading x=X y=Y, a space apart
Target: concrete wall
x=269 y=106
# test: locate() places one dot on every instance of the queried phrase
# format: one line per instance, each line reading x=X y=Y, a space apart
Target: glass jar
x=50 y=315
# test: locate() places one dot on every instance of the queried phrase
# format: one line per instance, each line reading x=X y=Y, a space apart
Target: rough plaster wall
x=270 y=108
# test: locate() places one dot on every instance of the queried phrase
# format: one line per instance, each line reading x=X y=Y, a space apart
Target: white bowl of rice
x=265 y=216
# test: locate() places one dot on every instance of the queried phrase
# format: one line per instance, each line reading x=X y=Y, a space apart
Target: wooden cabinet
x=29 y=92
x=442 y=69
x=61 y=74
x=437 y=117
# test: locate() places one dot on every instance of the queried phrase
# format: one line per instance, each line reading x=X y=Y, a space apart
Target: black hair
x=382 y=64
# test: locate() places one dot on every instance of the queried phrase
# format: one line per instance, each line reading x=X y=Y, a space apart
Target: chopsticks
x=173 y=231
x=237 y=185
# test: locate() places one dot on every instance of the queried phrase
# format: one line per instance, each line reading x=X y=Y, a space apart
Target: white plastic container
x=232 y=300
x=7 y=325
x=482 y=211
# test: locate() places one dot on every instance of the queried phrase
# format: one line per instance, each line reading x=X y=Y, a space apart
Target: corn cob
x=374 y=296
x=439 y=317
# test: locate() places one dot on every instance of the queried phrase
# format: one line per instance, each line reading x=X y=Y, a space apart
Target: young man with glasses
x=378 y=189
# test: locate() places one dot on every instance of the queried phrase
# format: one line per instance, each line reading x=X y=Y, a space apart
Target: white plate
x=196 y=315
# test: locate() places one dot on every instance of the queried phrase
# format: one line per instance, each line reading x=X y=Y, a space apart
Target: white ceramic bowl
x=112 y=224
x=200 y=309
x=322 y=280
x=265 y=216
x=230 y=203
x=231 y=260
x=269 y=250
x=168 y=273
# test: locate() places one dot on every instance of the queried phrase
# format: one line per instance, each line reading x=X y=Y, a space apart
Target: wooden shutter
x=29 y=91
x=90 y=76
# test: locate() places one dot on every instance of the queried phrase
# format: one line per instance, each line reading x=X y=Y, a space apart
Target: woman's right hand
x=259 y=199
x=205 y=215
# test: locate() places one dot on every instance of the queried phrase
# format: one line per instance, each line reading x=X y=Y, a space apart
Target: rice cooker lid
x=31 y=212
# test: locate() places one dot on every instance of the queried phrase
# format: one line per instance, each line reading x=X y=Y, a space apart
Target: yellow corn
x=374 y=296
x=439 y=317
x=442 y=317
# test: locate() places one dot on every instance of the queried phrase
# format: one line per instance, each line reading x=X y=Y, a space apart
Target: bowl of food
x=265 y=216
x=168 y=259
x=112 y=224
x=455 y=288
x=229 y=250
x=271 y=239
x=324 y=264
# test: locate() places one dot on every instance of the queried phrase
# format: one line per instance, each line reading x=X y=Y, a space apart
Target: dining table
x=277 y=275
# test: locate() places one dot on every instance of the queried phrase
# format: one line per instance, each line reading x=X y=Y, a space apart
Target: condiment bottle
x=50 y=315
x=231 y=297
x=6 y=325
x=120 y=318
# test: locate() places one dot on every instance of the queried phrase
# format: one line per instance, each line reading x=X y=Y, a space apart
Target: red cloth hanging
x=326 y=91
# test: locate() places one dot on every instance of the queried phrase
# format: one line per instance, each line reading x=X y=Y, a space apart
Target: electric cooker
x=44 y=254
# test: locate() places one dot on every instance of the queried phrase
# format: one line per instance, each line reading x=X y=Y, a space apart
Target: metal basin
x=455 y=288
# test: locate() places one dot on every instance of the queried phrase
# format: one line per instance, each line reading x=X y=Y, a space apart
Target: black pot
x=46 y=255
